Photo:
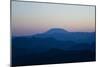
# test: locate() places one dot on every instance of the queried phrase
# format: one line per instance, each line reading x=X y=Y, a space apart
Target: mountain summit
x=56 y=31
x=63 y=35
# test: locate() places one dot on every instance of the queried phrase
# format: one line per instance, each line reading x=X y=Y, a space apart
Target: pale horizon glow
x=33 y=18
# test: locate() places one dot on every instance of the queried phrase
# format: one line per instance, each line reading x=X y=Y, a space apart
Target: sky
x=29 y=18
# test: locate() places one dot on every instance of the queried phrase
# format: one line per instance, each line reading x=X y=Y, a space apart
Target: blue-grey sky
x=30 y=18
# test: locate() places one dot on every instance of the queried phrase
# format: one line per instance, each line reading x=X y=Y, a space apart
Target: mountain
x=53 y=46
x=63 y=35
x=55 y=38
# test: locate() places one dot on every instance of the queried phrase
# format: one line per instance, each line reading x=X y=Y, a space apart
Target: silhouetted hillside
x=48 y=48
x=52 y=56
x=61 y=34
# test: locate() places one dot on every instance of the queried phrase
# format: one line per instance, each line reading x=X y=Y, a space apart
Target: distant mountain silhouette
x=61 y=34
x=53 y=46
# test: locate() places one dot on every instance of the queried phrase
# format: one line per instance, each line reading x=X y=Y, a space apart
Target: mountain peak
x=56 y=30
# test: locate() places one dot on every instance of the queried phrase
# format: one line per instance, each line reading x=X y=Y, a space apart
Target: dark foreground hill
x=47 y=49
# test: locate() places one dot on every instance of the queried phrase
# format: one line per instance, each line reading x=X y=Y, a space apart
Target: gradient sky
x=30 y=18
